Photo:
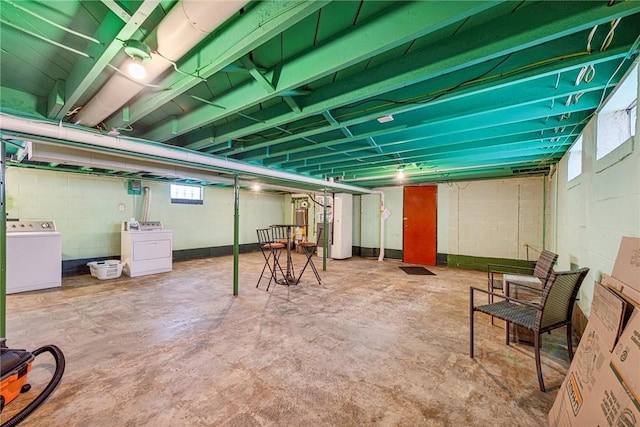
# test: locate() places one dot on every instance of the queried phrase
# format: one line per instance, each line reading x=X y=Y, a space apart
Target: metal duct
x=160 y=152
x=184 y=27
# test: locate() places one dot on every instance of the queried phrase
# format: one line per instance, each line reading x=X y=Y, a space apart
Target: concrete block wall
x=85 y=209
x=492 y=218
x=593 y=211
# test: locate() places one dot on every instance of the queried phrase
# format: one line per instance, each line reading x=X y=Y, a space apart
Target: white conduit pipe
x=147 y=204
x=186 y=24
x=382 y=220
x=138 y=146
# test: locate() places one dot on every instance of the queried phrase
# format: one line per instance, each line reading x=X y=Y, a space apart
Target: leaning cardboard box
x=602 y=387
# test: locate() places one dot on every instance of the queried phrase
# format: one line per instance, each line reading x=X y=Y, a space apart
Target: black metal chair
x=553 y=311
x=271 y=251
x=310 y=249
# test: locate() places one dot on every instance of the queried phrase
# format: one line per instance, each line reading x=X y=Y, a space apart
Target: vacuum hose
x=44 y=394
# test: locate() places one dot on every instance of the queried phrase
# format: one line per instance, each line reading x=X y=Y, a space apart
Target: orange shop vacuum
x=15 y=365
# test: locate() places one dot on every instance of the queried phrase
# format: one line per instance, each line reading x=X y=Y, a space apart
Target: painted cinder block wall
x=85 y=209
x=490 y=218
x=591 y=213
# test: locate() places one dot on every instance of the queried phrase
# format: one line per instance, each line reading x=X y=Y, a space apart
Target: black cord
x=46 y=392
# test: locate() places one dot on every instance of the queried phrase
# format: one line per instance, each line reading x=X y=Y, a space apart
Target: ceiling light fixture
x=256 y=186
x=400 y=174
x=139 y=52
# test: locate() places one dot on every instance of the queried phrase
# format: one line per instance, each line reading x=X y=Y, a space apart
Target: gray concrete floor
x=370 y=346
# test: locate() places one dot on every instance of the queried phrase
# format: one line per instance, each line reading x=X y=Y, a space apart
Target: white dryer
x=34 y=256
x=147 y=249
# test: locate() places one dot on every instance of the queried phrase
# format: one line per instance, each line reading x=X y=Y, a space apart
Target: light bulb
x=400 y=175
x=137 y=70
x=256 y=187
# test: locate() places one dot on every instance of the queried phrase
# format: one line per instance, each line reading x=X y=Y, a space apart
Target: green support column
x=236 y=232
x=3 y=247
x=325 y=233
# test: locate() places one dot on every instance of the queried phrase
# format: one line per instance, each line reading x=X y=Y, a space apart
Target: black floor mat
x=417 y=270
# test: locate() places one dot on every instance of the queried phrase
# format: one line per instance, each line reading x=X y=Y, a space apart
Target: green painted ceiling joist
x=86 y=70
x=261 y=22
x=468 y=48
x=501 y=101
x=404 y=22
x=433 y=147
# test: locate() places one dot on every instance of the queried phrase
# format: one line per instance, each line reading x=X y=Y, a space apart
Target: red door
x=419 y=235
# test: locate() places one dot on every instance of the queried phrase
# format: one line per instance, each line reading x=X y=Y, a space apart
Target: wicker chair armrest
x=495 y=294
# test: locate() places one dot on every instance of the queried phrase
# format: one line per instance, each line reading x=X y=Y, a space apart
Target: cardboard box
x=627 y=266
x=602 y=387
x=616 y=401
x=592 y=357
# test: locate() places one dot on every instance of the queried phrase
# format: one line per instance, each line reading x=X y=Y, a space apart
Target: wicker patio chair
x=553 y=311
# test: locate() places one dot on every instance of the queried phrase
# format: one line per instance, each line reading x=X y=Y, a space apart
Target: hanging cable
x=609 y=38
x=590 y=38
x=175 y=67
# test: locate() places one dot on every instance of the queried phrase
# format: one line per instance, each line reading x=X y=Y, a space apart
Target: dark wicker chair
x=553 y=311
x=533 y=277
x=271 y=251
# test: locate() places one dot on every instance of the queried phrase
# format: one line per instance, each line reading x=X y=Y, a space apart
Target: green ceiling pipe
x=3 y=246
x=236 y=229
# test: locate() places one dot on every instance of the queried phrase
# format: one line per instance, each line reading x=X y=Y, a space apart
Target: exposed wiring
x=586 y=74
x=609 y=37
x=175 y=67
x=414 y=100
x=590 y=38
x=72 y=112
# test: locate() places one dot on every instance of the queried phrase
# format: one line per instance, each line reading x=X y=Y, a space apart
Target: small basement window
x=574 y=164
x=187 y=194
x=617 y=119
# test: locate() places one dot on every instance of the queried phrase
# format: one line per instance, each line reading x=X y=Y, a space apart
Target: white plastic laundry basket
x=109 y=269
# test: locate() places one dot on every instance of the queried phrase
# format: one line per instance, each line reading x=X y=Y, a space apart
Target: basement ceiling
x=347 y=91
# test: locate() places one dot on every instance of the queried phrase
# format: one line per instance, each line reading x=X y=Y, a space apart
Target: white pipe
x=147 y=204
x=382 y=220
x=169 y=153
x=186 y=24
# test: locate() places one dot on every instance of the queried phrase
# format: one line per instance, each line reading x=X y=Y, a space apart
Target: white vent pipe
x=159 y=151
x=186 y=24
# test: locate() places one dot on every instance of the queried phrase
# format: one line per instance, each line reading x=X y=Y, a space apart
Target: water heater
x=342 y=246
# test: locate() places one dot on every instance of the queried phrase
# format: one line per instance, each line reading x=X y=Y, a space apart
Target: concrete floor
x=371 y=346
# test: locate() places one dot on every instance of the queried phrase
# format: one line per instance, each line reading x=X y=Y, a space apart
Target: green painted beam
x=454 y=172
x=519 y=60
x=479 y=120
x=547 y=130
x=293 y=104
x=55 y=102
x=527 y=27
x=501 y=103
x=257 y=74
x=403 y=22
x=111 y=33
x=261 y=22
x=402 y=125
x=439 y=149
x=477 y=155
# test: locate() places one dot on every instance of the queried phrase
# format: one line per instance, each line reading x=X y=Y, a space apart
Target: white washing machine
x=34 y=256
x=147 y=249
